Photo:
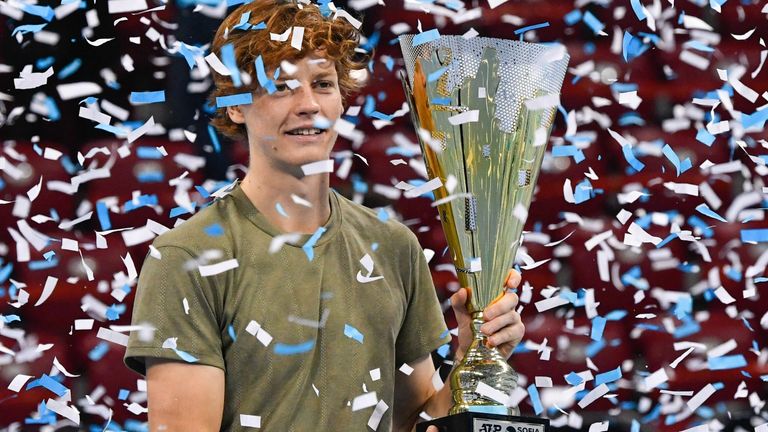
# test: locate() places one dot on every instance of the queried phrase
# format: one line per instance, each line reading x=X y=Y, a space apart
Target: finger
x=508 y=337
x=508 y=319
x=459 y=304
x=432 y=429
x=505 y=304
x=513 y=279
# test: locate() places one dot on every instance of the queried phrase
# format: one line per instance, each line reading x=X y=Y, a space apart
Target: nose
x=306 y=101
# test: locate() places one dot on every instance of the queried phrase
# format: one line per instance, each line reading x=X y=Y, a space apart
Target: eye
x=325 y=84
x=281 y=87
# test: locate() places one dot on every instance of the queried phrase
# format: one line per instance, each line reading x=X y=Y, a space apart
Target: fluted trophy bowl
x=483 y=109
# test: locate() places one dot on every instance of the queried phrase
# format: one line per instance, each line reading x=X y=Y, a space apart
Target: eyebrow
x=318 y=75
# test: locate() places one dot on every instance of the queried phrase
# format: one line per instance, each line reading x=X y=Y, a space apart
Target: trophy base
x=482 y=422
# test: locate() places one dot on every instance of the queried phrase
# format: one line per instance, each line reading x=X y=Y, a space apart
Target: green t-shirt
x=301 y=332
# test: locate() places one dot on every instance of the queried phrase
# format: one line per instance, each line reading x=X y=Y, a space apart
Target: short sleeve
x=165 y=285
x=423 y=329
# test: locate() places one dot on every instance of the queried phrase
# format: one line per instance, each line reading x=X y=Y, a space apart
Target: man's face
x=283 y=126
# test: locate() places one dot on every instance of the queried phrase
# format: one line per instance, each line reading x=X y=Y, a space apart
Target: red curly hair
x=336 y=38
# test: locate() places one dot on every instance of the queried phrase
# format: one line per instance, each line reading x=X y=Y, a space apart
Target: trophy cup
x=483 y=109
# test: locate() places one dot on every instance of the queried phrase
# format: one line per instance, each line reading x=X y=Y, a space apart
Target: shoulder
x=207 y=229
x=377 y=224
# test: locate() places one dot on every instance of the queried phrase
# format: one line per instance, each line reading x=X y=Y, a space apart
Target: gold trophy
x=483 y=109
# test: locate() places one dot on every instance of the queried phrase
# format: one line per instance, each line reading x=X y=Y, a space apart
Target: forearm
x=439 y=402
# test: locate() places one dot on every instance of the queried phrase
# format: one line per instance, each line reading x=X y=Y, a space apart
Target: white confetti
x=470 y=116
x=50 y=285
x=543 y=102
x=77 y=90
x=214 y=269
x=655 y=379
x=18 y=382
x=252 y=421
x=364 y=401
x=319 y=167
x=112 y=336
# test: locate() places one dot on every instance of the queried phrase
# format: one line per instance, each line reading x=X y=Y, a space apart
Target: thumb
x=459 y=305
x=432 y=429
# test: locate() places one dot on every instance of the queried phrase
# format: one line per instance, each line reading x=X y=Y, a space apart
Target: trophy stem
x=486 y=365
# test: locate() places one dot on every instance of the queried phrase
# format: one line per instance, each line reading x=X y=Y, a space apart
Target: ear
x=235 y=114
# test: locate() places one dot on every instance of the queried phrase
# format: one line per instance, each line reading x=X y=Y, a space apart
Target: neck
x=304 y=199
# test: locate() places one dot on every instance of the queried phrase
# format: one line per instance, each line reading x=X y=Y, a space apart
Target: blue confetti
x=44 y=12
x=214 y=230
x=703 y=136
x=214 y=139
x=389 y=63
x=150 y=177
x=187 y=357
x=727 y=362
x=139 y=202
x=574 y=379
x=243 y=24
x=434 y=76
x=754 y=235
x=70 y=69
x=683 y=306
x=147 y=97
x=444 y=350
x=53 y=109
x=261 y=75
x=756 y=119
x=700 y=46
x=706 y=211
x=521 y=31
x=568 y=151
x=146 y=152
x=233 y=100
x=231 y=331
x=10 y=318
x=281 y=210
x=615 y=315
x=572 y=17
x=228 y=59
x=631 y=159
x=103 y=215
x=5 y=272
x=424 y=37
x=178 y=211
x=637 y=7
x=533 y=392
x=383 y=215
x=49 y=383
x=353 y=333
x=607 y=377
x=594 y=348
x=123 y=394
x=583 y=191
x=598 y=326
x=286 y=349
x=632 y=47
x=592 y=22
x=28 y=28
x=310 y=244
x=189 y=53
x=681 y=167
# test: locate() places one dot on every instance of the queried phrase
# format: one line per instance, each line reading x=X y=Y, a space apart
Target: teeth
x=312 y=131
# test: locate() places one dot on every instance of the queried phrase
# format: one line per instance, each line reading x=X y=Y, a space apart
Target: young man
x=293 y=336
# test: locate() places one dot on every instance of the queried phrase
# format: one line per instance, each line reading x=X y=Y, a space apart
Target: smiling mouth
x=305 y=131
